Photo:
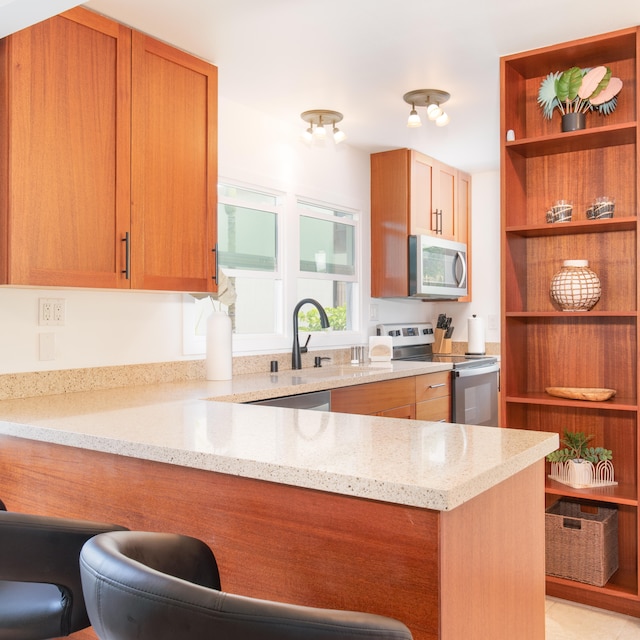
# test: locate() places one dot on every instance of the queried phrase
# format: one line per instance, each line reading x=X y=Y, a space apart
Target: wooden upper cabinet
x=411 y=194
x=108 y=158
x=65 y=159
x=174 y=171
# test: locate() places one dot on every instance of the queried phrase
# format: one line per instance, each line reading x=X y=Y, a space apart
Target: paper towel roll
x=475 y=333
x=219 y=359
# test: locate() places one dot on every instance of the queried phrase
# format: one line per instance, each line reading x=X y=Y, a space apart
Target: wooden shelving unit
x=543 y=346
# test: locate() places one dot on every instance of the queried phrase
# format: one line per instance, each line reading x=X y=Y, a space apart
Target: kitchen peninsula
x=438 y=525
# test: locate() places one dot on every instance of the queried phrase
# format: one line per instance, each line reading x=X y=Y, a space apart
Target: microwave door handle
x=463 y=278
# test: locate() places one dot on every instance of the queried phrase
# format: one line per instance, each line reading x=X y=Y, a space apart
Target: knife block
x=441 y=344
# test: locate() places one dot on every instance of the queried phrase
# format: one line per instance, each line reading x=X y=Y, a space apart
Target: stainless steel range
x=474 y=379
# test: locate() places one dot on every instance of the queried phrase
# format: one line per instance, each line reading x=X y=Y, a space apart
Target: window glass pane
x=255 y=309
x=327 y=211
x=326 y=246
x=336 y=298
x=247 y=238
x=228 y=192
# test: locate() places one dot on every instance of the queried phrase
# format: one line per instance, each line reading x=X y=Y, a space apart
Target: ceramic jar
x=575 y=287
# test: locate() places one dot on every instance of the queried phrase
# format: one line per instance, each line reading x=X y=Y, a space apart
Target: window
x=327 y=266
x=248 y=255
x=273 y=250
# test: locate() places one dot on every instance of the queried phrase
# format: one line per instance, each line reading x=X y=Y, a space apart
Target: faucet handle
x=304 y=349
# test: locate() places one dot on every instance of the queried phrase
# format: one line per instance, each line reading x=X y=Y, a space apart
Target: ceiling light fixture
x=430 y=98
x=317 y=119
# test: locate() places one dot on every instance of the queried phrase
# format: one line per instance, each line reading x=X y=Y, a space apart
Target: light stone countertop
x=200 y=424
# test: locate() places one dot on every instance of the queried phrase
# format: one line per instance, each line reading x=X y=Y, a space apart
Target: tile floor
x=570 y=621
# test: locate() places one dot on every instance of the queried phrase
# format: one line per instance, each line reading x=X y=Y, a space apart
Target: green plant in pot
x=578 y=464
x=576 y=91
x=575 y=448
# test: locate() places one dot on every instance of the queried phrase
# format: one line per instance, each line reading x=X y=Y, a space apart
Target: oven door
x=474 y=395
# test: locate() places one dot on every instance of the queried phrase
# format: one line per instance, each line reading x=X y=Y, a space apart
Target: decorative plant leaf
x=602 y=84
x=568 y=84
x=590 y=81
x=578 y=91
x=576 y=449
x=607 y=107
x=547 y=98
x=610 y=91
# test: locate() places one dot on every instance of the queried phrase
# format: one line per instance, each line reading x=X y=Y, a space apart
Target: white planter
x=582 y=474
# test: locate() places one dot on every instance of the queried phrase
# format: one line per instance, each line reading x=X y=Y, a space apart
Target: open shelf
x=607 y=135
x=543 y=346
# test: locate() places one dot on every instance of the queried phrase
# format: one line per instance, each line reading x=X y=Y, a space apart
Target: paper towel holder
x=478 y=340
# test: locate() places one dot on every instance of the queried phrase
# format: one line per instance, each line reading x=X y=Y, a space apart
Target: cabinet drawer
x=374 y=397
x=437 y=410
x=433 y=385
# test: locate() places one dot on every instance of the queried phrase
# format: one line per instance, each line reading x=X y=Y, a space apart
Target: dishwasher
x=314 y=401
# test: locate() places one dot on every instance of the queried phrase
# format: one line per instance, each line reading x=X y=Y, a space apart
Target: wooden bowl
x=581 y=393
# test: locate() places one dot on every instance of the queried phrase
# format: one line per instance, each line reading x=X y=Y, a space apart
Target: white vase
x=219 y=358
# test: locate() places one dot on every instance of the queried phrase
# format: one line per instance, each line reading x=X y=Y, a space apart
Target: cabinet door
x=174 y=168
x=66 y=204
x=374 y=397
x=445 y=196
x=423 y=215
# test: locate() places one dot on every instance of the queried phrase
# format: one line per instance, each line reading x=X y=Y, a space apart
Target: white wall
x=115 y=327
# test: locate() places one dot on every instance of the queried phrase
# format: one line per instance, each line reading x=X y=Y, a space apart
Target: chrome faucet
x=296 y=357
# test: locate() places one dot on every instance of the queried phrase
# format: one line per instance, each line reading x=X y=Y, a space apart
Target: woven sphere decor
x=575 y=287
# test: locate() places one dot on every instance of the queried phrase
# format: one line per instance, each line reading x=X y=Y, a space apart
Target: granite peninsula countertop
x=204 y=425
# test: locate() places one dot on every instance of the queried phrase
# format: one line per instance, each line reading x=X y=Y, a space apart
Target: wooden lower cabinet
x=375 y=397
x=425 y=397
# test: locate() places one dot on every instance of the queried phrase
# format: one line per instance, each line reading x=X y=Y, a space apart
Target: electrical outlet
x=51 y=311
x=373 y=312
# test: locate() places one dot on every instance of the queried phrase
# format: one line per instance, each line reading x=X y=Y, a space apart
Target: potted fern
x=580 y=465
x=576 y=91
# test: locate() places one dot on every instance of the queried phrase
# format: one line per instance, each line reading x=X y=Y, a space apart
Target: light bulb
x=338 y=136
x=433 y=111
x=320 y=132
x=414 y=119
x=307 y=136
x=442 y=120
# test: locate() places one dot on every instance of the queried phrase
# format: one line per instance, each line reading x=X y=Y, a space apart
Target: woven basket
x=581 y=546
x=575 y=287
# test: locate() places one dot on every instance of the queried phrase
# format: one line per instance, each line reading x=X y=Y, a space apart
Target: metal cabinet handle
x=435 y=386
x=215 y=266
x=127 y=256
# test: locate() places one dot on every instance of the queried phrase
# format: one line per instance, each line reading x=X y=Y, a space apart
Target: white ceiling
x=360 y=56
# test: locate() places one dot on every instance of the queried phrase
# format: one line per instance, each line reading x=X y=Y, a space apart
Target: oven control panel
x=405 y=335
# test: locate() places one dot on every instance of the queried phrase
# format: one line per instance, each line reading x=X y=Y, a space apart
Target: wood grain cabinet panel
x=108 y=158
x=375 y=397
x=65 y=172
x=174 y=173
x=433 y=397
x=543 y=346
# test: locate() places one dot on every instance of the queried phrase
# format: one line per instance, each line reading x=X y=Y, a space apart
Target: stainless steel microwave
x=437 y=268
